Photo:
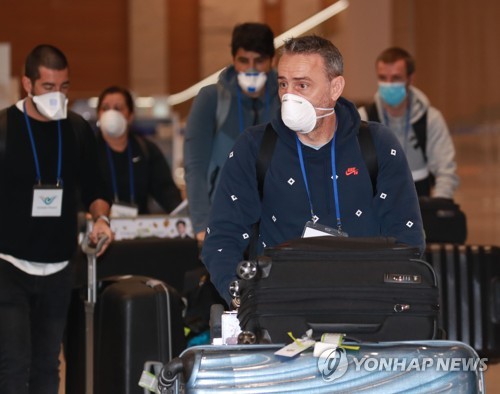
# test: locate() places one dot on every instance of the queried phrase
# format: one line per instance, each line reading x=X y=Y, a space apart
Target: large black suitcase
x=370 y=289
x=137 y=319
x=167 y=259
x=469 y=279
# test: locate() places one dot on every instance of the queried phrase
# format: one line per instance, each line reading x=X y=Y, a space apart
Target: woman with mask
x=134 y=167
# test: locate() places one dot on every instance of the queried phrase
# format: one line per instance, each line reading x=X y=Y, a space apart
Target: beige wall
x=458 y=54
x=356 y=39
x=148 y=65
x=218 y=17
x=156 y=47
x=92 y=33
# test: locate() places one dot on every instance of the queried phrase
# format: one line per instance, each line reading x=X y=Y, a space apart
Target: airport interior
x=164 y=51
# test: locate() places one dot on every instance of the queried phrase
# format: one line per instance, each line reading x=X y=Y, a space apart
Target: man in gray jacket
x=245 y=95
x=420 y=128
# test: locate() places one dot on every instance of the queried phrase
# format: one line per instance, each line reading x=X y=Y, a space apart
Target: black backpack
x=269 y=141
x=419 y=127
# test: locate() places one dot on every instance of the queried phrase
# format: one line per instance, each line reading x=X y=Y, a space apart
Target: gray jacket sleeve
x=200 y=131
x=441 y=155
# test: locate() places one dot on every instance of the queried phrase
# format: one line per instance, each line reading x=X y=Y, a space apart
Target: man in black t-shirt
x=49 y=155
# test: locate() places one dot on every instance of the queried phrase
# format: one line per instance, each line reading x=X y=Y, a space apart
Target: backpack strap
x=142 y=146
x=223 y=103
x=3 y=132
x=369 y=153
x=265 y=155
x=371 y=111
x=264 y=158
x=420 y=129
x=79 y=125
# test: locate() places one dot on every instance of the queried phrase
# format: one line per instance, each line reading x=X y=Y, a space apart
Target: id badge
x=124 y=210
x=47 y=201
x=312 y=229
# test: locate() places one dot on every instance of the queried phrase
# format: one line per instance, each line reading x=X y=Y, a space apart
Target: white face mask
x=252 y=81
x=112 y=123
x=52 y=105
x=299 y=114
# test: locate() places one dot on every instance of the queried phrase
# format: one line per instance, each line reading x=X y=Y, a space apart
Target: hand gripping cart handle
x=91 y=252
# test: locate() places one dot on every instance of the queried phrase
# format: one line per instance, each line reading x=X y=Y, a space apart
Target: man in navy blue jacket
x=317 y=134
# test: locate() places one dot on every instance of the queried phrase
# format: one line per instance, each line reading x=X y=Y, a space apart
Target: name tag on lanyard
x=47 y=201
x=124 y=210
x=312 y=229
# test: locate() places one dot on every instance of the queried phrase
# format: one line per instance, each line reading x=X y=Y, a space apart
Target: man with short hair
x=419 y=127
x=246 y=94
x=47 y=156
x=317 y=172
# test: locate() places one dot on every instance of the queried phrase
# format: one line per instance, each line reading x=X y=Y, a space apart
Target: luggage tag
x=330 y=342
x=315 y=229
x=149 y=382
x=297 y=346
x=47 y=201
x=124 y=210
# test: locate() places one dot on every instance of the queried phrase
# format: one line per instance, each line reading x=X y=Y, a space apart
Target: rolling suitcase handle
x=91 y=252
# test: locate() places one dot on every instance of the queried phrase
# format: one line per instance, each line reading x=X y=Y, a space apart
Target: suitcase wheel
x=236 y=302
x=247 y=338
x=247 y=269
x=234 y=289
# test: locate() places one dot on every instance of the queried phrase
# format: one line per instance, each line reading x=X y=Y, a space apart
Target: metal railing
x=297 y=30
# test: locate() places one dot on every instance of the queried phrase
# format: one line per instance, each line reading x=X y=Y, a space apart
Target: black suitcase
x=152 y=257
x=370 y=289
x=469 y=279
x=443 y=220
x=137 y=319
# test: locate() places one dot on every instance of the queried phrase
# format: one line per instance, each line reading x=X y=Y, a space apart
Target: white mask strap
x=332 y=111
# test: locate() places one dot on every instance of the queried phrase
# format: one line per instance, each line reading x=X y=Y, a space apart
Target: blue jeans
x=33 y=313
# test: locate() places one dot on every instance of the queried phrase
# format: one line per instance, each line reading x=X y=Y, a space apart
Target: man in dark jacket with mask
x=245 y=95
x=317 y=172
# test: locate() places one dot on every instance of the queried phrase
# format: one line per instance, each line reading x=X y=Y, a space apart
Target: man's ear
x=130 y=118
x=27 y=85
x=337 y=87
x=411 y=79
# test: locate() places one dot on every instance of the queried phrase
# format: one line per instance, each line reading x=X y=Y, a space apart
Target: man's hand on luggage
x=101 y=229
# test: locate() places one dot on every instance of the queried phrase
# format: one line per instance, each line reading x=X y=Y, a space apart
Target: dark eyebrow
x=297 y=79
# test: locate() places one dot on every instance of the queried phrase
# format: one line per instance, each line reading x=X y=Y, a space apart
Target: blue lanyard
x=407 y=121
x=113 y=173
x=334 y=180
x=240 y=107
x=35 y=155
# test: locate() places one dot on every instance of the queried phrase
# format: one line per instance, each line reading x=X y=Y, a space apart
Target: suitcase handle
x=344 y=327
x=91 y=250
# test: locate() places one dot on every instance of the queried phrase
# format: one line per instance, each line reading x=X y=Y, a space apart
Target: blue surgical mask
x=392 y=93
